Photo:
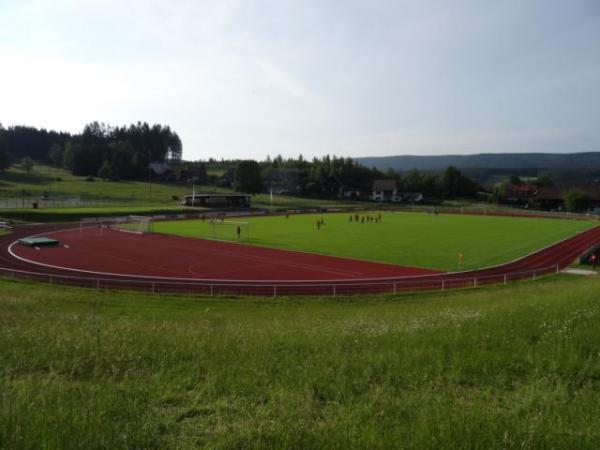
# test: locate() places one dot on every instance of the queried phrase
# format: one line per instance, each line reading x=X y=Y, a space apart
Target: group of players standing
x=355 y=218
x=368 y=218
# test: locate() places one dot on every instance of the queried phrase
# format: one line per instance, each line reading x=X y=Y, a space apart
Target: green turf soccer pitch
x=412 y=239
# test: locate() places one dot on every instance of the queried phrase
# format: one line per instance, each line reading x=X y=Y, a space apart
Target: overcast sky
x=251 y=78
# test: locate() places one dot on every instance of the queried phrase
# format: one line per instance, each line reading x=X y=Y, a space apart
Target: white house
x=159 y=167
x=385 y=191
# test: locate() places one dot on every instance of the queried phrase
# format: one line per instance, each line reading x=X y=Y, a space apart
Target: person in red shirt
x=594 y=260
x=239 y=231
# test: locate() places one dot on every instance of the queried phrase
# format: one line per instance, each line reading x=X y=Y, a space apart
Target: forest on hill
x=513 y=161
x=116 y=152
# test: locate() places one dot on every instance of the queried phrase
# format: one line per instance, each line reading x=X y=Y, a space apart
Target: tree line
x=343 y=177
x=126 y=152
x=100 y=150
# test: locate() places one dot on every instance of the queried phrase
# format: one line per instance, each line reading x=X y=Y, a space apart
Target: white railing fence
x=213 y=288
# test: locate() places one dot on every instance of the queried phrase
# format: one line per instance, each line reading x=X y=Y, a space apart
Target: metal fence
x=59 y=202
x=214 y=288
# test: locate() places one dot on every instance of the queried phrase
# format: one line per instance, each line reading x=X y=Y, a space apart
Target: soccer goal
x=133 y=224
x=227 y=230
x=130 y=224
x=92 y=226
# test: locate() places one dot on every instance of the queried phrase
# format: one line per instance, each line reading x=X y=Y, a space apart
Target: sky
x=251 y=78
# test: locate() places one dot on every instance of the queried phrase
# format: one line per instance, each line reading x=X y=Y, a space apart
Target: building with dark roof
x=217 y=200
x=385 y=191
x=554 y=198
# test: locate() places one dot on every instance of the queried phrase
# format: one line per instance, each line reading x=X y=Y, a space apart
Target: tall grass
x=502 y=367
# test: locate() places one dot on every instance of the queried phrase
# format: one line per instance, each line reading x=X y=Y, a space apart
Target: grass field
x=414 y=239
x=495 y=368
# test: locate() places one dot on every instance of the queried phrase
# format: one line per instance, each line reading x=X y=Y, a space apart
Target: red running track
x=241 y=269
x=111 y=252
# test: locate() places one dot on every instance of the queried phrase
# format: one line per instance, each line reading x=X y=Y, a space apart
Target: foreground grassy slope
x=414 y=239
x=514 y=367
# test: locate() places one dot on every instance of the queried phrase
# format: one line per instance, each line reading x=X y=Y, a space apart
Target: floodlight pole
x=149 y=175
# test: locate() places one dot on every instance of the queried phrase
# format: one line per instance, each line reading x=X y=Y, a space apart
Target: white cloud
x=249 y=78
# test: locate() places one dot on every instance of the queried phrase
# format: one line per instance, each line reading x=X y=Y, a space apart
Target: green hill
x=485 y=161
x=19 y=189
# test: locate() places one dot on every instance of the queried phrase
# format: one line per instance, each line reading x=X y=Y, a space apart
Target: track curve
x=545 y=261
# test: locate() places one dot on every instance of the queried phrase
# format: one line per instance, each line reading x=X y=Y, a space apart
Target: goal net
x=133 y=224
x=227 y=230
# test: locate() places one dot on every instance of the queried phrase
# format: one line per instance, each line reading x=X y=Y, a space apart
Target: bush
x=105 y=171
x=27 y=164
x=576 y=200
x=90 y=178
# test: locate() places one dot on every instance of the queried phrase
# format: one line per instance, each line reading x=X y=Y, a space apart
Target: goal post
x=130 y=224
x=92 y=225
x=133 y=224
x=227 y=230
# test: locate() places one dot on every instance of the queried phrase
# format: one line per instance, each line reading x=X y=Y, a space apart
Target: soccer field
x=411 y=239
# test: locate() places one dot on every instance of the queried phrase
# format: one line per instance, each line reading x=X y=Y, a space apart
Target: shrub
x=576 y=200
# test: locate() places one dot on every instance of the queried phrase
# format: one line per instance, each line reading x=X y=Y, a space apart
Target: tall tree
x=27 y=164
x=67 y=156
x=248 y=177
x=56 y=154
x=455 y=184
x=123 y=160
x=544 y=180
x=5 y=158
x=105 y=172
x=515 y=179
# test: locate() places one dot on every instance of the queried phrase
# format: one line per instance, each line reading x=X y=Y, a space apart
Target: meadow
x=74 y=214
x=412 y=239
x=60 y=183
x=117 y=197
x=493 y=368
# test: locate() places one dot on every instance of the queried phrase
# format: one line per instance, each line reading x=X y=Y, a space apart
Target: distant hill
x=486 y=161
